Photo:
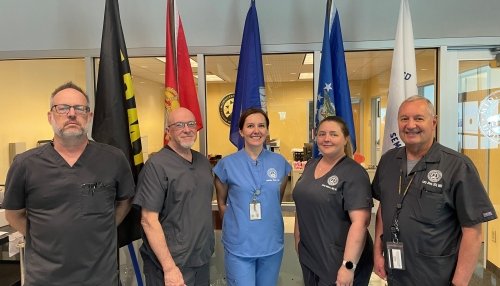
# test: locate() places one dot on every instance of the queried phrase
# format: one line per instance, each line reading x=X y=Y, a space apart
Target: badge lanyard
x=395 y=250
x=399 y=206
x=255 y=206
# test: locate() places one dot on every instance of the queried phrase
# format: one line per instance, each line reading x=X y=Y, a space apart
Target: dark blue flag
x=334 y=97
x=250 y=91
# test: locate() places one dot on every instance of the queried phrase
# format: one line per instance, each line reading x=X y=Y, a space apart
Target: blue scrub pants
x=252 y=271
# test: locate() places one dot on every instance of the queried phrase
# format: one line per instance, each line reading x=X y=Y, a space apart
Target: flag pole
x=171 y=19
x=329 y=9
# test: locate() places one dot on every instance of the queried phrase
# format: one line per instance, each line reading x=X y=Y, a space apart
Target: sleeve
x=152 y=187
x=375 y=185
x=471 y=200
x=15 y=186
x=288 y=167
x=357 y=191
x=125 y=179
x=220 y=170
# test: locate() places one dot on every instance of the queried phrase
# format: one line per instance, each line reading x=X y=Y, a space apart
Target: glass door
x=478 y=96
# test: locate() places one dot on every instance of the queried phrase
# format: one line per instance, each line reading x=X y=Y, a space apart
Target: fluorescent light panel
x=211 y=78
x=306 y=75
x=308 y=59
x=193 y=63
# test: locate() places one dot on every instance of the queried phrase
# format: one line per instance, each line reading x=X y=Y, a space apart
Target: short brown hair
x=67 y=85
x=249 y=112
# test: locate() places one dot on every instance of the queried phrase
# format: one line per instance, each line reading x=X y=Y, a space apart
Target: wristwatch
x=349 y=264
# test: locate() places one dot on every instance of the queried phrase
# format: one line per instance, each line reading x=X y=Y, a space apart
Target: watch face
x=349 y=265
x=226 y=108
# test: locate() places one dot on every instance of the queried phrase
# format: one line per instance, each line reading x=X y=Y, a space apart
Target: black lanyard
x=399 y=206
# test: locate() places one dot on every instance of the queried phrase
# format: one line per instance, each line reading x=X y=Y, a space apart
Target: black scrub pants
x=193 y=276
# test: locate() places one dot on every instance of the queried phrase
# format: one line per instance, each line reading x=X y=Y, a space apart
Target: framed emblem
x=489 y=116
x=226 y=108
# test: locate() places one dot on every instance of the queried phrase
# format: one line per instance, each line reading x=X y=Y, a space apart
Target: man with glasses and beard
x=68 y=197
x=174 y=191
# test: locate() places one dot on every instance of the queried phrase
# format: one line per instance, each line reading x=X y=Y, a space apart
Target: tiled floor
x=290 y=274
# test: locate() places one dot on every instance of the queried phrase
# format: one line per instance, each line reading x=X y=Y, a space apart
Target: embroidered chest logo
x=333 y=180
x=331 y=183
x=272 y=174
x=434 y=176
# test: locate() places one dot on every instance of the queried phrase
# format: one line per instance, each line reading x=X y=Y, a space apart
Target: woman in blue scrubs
x=250 y=185
x=333 y=208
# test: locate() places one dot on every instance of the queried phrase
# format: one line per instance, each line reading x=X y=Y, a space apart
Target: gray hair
x=430 y=106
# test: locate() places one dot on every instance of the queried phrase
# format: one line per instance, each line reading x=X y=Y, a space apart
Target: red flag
x=180 y=90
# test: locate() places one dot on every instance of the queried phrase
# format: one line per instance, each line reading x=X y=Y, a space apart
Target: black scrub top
x=322 y=207
x=445 y=194
x=71 y=236
x=181 y=192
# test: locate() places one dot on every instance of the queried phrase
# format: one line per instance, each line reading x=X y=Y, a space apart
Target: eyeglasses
x=181 y=125
x=64 y=109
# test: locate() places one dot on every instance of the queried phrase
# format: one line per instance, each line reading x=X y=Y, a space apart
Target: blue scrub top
x=243 y=175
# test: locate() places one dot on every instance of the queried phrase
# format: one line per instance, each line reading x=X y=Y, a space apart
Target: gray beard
x=187 y=145
x=70 y=134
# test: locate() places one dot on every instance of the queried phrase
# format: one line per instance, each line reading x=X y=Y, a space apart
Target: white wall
x=73 y=27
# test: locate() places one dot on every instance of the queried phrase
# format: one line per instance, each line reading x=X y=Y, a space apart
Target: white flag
x=403 y=82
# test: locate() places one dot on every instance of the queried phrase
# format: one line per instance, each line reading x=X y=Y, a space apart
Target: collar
x=244 y=153
x=432 y=156
x=192 y=156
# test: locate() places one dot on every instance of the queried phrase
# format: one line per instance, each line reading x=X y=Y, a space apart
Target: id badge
x=396 y=256
x=255 y=211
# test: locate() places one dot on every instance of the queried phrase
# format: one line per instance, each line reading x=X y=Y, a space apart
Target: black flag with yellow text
x=115 y=114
